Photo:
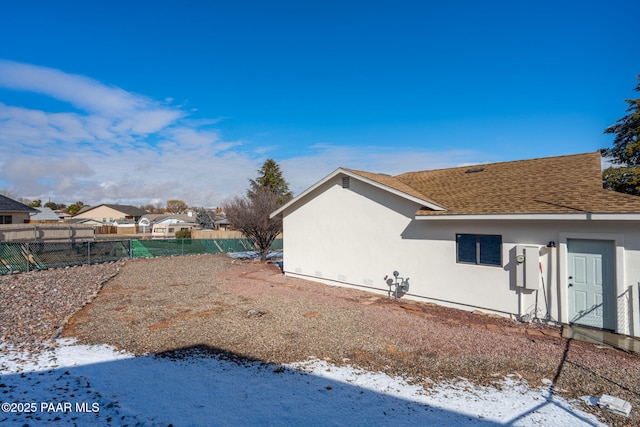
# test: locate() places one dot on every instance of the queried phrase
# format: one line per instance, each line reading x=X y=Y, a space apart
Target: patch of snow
x=254 y=255
x=95 y=385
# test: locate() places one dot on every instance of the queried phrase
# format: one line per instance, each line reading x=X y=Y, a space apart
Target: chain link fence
x=24 y=257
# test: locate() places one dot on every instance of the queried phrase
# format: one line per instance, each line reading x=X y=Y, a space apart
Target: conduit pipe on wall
x=399 y=285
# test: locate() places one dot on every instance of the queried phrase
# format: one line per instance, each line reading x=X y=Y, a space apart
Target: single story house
x=222 y=224
x=44 y=215
x=14 y=212
x=84 y=221
x=531 y=239
x=164 y=226
x=165 y=218
x=168 y=230
x=64 y=216
x=124 y=226
x=107 y=214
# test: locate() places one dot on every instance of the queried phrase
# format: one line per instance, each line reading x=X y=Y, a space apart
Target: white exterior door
x=591 y=281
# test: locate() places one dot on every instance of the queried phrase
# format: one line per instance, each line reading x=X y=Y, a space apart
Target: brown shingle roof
x=564 y=184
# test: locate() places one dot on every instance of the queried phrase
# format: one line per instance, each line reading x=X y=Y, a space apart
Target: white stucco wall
x=347 y=235
x=358 y=235
x=18 y=217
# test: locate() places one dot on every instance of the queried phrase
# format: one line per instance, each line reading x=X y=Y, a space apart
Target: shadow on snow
x=204 y=386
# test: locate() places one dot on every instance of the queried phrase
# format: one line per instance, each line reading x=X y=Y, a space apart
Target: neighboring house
x=222 y=224
x=107 y=214
x=44 y=215
x=147 y=223
x=22 y=223
x=531 y=239
x=168 y=230
x=84 y=221
x=63 y=215
x=124 y=226
x=165 y=218
x=14 y=212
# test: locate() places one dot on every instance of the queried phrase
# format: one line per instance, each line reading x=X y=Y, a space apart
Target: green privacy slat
x=22 y=257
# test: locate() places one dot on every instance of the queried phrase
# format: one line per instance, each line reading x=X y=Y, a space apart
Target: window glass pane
x=490 y=250
x=467 y=248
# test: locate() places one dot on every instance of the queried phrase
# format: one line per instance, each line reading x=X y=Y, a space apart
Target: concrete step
x=598 y=336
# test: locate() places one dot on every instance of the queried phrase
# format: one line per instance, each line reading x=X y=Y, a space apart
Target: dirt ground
x=248 y=310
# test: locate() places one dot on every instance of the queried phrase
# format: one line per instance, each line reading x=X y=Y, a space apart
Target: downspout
x=522 y=311
x=548 y=282
x=635 y=309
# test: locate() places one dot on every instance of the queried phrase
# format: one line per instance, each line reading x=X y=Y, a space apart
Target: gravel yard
x=165 y=305
x=35 y=306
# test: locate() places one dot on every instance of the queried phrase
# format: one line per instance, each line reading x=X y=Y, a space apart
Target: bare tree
x=250 y=215
x=176 y=206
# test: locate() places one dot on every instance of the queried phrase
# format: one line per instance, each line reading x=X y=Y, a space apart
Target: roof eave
x=353 y=175
x=582 y=216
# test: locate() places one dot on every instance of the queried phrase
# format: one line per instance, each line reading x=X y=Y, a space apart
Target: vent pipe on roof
x=473 y=170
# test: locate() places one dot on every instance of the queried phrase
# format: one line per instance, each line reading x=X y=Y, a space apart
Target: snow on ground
x=96 y=385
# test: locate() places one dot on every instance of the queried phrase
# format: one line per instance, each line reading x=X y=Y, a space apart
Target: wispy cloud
x=114 y=146
x=109 y=144
x=86 y=94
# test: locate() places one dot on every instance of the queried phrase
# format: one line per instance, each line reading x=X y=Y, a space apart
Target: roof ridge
x=478 y=165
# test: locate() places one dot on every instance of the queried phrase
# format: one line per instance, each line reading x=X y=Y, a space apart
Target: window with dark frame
x=479 y=249
x=6 y=219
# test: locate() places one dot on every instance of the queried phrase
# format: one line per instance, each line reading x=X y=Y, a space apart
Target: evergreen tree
x=204 y=219
x=625 y=151
x=270 y=179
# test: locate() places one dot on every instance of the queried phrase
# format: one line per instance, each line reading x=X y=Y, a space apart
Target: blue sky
x=141 y=102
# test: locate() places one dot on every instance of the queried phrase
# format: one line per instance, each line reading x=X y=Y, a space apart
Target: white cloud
x=132 y=147
x=82 y=92
x=44 y=176
x=114 y=146
x=303 y=171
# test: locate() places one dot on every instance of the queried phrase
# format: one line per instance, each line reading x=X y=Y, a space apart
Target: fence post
x=27 y=255
x=88 y=252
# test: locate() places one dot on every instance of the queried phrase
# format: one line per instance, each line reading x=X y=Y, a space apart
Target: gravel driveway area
x=243 y=309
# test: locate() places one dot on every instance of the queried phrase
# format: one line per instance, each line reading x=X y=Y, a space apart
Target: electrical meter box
x=527 y=267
